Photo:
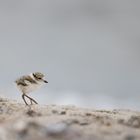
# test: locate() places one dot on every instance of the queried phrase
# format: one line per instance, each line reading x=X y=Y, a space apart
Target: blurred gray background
x=88 y=49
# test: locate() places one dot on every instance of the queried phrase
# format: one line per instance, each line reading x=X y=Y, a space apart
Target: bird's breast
x=29 y=88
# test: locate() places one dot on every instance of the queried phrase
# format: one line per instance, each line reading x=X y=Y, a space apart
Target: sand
x=53 y=122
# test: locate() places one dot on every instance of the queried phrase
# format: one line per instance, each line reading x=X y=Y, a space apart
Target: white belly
x=29 y=88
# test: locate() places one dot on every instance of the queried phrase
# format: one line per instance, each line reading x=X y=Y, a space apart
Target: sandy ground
x=52 y=122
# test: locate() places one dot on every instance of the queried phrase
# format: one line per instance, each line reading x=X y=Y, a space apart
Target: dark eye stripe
x=36 y=76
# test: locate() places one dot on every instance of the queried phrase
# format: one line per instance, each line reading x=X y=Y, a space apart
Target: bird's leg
x=31 y=99
x=23 y=97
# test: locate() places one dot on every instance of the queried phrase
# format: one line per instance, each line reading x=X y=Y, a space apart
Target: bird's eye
x=40 y=78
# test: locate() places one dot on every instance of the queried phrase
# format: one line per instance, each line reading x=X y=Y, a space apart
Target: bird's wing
x=24 y=80
x=21 y=82
x=30 y=79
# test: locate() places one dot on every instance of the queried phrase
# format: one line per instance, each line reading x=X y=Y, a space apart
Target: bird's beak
x=45 y=81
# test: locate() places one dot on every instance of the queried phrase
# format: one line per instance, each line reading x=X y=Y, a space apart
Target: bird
x=30 y=83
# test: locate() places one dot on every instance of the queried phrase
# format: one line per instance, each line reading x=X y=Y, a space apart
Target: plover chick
x=29 y=83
